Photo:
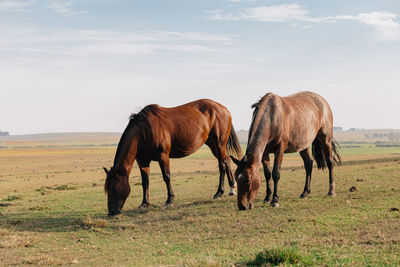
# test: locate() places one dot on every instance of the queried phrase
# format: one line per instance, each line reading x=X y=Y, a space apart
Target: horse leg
x=328 y=153
x=144 y=171
x=220 y=191
x=211 y=143
x=231 y=178
x=227 y=166
x=308 y=163
x=164 y=166
x=267 y=174
x=276 y=175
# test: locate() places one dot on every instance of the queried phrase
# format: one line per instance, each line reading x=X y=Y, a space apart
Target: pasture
x=53 y=212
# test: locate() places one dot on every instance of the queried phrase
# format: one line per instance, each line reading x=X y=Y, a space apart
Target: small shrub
x=65 y=187
x=39 y=208
x=277 y=256
x=13 y=197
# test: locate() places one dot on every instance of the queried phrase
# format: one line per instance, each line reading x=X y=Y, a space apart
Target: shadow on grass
x=56 y=222
x=72 y=221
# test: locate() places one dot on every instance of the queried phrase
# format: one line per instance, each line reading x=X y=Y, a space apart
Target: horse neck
x=259 y=138
x=126 y=151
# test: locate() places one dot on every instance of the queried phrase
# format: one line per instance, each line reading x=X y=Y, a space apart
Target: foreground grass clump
x=277 y=256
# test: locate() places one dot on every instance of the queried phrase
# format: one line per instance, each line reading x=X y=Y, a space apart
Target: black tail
x=319 y=155
x=233 y=144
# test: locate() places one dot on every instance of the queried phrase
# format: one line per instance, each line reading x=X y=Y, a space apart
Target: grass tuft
x=65 y=187
x=277 y=256
x=88 y=222
x=13 y=197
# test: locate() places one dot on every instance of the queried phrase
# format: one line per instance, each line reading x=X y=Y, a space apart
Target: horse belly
x=187 y=145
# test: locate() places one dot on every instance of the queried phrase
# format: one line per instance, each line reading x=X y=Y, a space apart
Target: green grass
x=64 y=227
x=277 y=256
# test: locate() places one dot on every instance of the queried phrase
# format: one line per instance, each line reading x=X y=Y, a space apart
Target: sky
x=68 y=66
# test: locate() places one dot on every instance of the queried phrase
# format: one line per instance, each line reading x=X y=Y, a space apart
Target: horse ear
x=236 y=161
x=106 y=171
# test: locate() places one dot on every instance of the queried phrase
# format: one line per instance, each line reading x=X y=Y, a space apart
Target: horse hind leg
x=328 y=153
x=308 y=164
x=231 y=179
x=221 y=166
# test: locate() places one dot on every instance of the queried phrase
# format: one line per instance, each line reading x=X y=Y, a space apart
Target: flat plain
x=53 y=212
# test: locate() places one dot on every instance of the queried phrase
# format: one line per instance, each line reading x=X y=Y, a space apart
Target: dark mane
x=138 y=118
x=149 y=109
x=256 y=107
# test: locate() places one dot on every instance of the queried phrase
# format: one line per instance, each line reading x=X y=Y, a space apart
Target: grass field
x=53 y=212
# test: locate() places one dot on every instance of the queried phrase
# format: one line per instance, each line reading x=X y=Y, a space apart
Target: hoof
x=232 y=193
x=144 y=206
x=331 y=194
x=274 y=204
x=168 y=204
x=267 y=199
x=217 y=196
x=303 y=195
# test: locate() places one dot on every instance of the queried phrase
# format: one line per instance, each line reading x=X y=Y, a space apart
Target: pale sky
x=85 y=65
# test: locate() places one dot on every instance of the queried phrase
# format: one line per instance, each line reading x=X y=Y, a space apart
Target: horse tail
x=233 y=145
x=336 y=155
x=319 y=156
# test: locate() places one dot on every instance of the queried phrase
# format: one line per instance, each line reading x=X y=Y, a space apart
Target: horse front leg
x=276 y=176
x=144 y=172
x=267 y=174
x=164 y=166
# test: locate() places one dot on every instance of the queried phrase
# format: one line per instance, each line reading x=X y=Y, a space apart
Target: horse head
x=117 y=189
x=248 y=182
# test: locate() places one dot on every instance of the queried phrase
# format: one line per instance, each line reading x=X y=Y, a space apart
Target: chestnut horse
x=157 y=134
x=286 y=125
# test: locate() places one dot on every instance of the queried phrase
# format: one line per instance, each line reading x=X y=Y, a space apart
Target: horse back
x=182 y=130
x=306 y=114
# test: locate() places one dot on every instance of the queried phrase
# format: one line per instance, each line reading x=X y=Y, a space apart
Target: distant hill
x=111 y=139
x=368 y=135
x=354 y=135
x=60 y=139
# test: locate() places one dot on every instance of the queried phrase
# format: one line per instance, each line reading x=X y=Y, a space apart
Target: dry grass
x=50 y=226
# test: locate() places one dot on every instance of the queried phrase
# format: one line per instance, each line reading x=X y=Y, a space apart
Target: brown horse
x=286 y=125
x=157 y=134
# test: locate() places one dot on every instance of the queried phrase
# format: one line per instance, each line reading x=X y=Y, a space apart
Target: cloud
x=275 y=13
x=88 y=42
x=384 y=23
x=15 y=6
x=64 y=8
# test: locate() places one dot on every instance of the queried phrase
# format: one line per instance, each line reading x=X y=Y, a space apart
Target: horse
x=157 y=134
x=286 y=125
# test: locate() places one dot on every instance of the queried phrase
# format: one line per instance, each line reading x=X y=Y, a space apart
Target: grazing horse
x=286 y=125
x=158 y=134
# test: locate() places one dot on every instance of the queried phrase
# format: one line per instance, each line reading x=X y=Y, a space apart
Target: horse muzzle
x=249 y=206
x=114 y=212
